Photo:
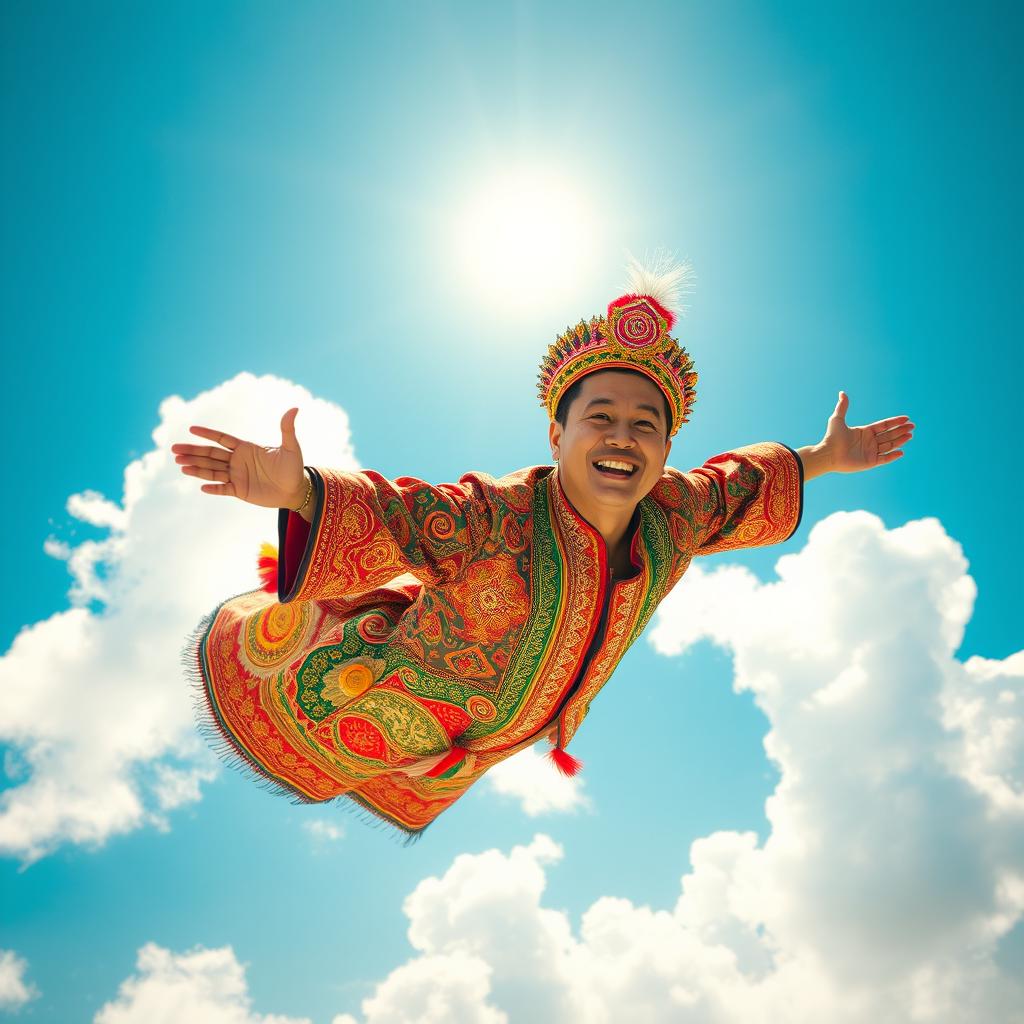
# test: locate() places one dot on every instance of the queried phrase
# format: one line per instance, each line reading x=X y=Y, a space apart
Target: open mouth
x=615 y=469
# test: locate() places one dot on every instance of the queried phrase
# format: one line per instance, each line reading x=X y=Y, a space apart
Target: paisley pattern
x=276 y=633
x=413 y=619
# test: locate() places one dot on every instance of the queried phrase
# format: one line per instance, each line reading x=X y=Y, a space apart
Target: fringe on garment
x=223 y=744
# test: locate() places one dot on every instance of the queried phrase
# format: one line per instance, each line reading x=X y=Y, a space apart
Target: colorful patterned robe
x=482 y=614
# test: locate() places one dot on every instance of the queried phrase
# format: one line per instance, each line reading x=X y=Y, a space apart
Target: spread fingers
x=205 y=450
x=227 y=440
x=205 y=474
x=202 y=461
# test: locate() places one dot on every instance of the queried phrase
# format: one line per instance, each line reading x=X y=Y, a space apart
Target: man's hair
x=562 y=412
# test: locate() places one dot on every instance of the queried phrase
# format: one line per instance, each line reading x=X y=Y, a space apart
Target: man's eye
x=645 y=423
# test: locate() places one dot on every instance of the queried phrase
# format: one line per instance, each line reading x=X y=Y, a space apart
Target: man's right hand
x=270 y=477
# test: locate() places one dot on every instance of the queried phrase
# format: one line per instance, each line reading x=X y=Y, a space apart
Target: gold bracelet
x=309 y=491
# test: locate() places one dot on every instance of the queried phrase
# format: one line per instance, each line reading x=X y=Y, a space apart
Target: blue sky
x=194 y=191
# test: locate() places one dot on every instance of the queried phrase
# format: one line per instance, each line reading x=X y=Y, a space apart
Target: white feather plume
x=661 y=276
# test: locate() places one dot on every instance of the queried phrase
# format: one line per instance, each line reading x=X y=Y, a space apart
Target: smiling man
x=410 y=636
x=610 y=440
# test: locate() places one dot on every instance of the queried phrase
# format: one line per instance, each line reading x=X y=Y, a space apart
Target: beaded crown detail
x=633 y=336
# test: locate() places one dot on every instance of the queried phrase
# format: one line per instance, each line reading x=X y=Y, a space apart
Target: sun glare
x=525 y=233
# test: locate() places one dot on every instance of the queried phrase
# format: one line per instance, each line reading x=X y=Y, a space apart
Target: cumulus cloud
x=894 y=868
x=323 y=831
x=485 y=944
x=449 y=989
x=205 y=986
x=15 y=991
x=94 y=706
x=539 y=787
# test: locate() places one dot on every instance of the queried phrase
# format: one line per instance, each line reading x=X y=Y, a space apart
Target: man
x=421 y=634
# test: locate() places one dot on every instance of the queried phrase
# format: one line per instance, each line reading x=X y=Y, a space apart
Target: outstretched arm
x=361 y=531
x=846 y=449
x=269 y=477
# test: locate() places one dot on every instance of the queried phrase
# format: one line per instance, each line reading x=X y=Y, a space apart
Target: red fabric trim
x=296 y=535
x=455 y=756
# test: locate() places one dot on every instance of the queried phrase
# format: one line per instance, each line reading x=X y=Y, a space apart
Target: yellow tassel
x=267 y=567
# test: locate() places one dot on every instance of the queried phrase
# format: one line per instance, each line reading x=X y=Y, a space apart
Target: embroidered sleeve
x=749 y=497
x=367 y=530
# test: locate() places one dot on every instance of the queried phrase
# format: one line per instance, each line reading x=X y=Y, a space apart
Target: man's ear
x=555 y=437
x=668 y=448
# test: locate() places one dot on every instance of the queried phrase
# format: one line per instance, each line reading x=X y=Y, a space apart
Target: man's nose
x=620 y=435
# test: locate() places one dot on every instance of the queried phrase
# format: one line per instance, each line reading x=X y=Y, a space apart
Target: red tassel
x=565 y=762
x=267 y=567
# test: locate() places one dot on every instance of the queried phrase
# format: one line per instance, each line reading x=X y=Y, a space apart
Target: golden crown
x=633 y=336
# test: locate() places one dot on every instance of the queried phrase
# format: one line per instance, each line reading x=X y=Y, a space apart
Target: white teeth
x=612 y=464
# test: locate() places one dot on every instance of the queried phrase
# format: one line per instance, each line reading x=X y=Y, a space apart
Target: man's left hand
x=851 y=449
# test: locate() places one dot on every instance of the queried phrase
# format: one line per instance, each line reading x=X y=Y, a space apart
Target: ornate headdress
x=633 y=336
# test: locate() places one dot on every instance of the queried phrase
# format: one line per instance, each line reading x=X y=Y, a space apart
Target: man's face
x=619 y=417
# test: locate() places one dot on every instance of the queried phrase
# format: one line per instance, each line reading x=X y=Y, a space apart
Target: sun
x=525 y=234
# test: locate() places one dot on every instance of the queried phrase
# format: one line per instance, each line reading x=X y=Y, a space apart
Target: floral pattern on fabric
x=493 y=599
x=415 y=619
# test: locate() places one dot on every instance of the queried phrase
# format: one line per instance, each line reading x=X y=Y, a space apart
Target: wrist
x=301 y=501
x=816 y=459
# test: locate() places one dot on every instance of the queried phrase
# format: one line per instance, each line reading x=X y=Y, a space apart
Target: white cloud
x=202 y=986
x=15 y=991
x=324 y=831
x=94 y=703
x=479 y=930
x=448 y=989
x=92 y=507
x=895 y=862
x=537 y=784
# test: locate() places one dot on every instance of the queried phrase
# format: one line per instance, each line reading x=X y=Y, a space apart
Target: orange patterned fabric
x=414 y=620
